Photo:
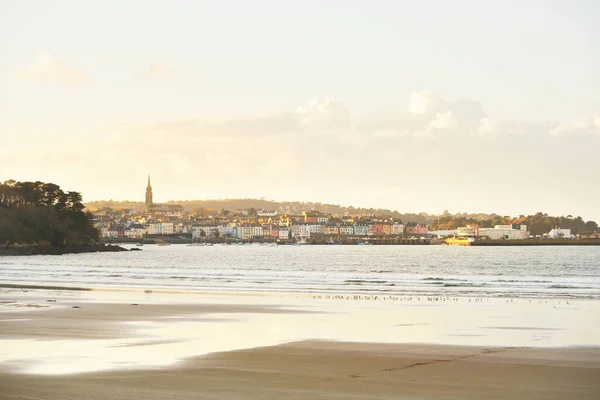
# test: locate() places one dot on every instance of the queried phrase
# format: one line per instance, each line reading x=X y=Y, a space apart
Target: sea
x=527 y=272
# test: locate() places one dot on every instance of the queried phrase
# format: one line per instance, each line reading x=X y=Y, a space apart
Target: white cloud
x=590 y=126
x=158 y=71
x=48 y=68
x=444 y=120
x=325 y=115
x=425 y=102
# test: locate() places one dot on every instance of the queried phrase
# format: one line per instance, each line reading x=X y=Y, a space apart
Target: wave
x=464 y=284
x=360 y=281
x=568 y=287
x=443 y=279
x=520 y=281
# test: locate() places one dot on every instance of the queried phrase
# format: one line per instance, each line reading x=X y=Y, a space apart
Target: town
x=160 y=222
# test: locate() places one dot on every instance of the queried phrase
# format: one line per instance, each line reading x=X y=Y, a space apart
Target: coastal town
x=167 y=222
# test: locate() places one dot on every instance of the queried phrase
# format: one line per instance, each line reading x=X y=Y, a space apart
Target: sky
x=466 y=106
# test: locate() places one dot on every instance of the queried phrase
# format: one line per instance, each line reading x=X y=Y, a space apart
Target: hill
x=290 y=207
x=41 y=214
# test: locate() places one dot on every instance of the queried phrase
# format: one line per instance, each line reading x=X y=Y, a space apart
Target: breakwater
x=538 y=242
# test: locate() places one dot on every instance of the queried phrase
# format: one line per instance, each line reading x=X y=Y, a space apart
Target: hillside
x=294 y=207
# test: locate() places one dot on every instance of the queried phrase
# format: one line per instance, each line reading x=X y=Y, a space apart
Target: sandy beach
x=136 y=345
x=326 y=370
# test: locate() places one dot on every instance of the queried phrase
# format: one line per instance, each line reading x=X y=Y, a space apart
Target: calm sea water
x=572 y=272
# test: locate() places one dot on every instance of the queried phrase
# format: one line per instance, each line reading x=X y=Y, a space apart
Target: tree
x=41 y=213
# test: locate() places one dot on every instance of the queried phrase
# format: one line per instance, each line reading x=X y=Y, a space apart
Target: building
x=506 y=232
x=168 y=210
x=283 y=232
x=300 y=230
x=346 y=229
x=135 y=231
x=361 y=229
x=266 y=213
x=469 y=230
x=397 y=228
x=413 y=228
x=560 y=234
x=331 y=229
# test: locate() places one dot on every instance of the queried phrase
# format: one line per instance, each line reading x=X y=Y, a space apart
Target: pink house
x=413 y=228
x=377 y=229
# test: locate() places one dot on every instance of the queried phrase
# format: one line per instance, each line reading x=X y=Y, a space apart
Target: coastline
x=29 y=250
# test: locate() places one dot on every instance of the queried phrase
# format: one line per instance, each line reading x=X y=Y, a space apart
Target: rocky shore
x=31 y=250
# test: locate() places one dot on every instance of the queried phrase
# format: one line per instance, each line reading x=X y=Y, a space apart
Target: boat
x=460 y=241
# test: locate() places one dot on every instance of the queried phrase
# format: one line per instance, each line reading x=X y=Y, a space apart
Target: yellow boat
x=460 y=241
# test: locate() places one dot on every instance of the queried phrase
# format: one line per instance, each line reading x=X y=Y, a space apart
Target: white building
x=346 y=230
x=135 y=231
x=154 y=229
x=469 y=230
x=256 y=231
x=397 y=229
x=361 y=229
x=284 y=232
x=508 y=232
x=315 y=228
x=230 y=230
x=167 y=228
x=245 y=232
x=266 y=213
x=560 y=234
x=301 y=231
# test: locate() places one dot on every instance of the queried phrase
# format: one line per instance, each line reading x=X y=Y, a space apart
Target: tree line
x=537 y=224
x=39 y=213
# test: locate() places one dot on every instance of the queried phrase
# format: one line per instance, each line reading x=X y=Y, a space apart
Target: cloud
x=48 y=68
x=425 y=102
x=448 y=151
x=158 y=71
x=590 y=126
x=428 y=118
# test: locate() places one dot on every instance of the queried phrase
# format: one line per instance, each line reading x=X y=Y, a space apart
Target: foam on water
x=561 y=272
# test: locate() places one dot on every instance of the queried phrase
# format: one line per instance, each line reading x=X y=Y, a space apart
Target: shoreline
x=31 y=250
x=315 y=294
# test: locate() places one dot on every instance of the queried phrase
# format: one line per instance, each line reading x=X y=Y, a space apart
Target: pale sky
x=470 y=106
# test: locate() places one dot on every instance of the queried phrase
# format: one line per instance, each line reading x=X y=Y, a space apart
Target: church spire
x=148 y=194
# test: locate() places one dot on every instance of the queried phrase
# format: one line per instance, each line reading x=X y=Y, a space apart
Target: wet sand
x=330 y=370
x=86 y=345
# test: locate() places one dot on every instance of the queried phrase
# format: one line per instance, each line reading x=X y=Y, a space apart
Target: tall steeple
x=148 y=194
